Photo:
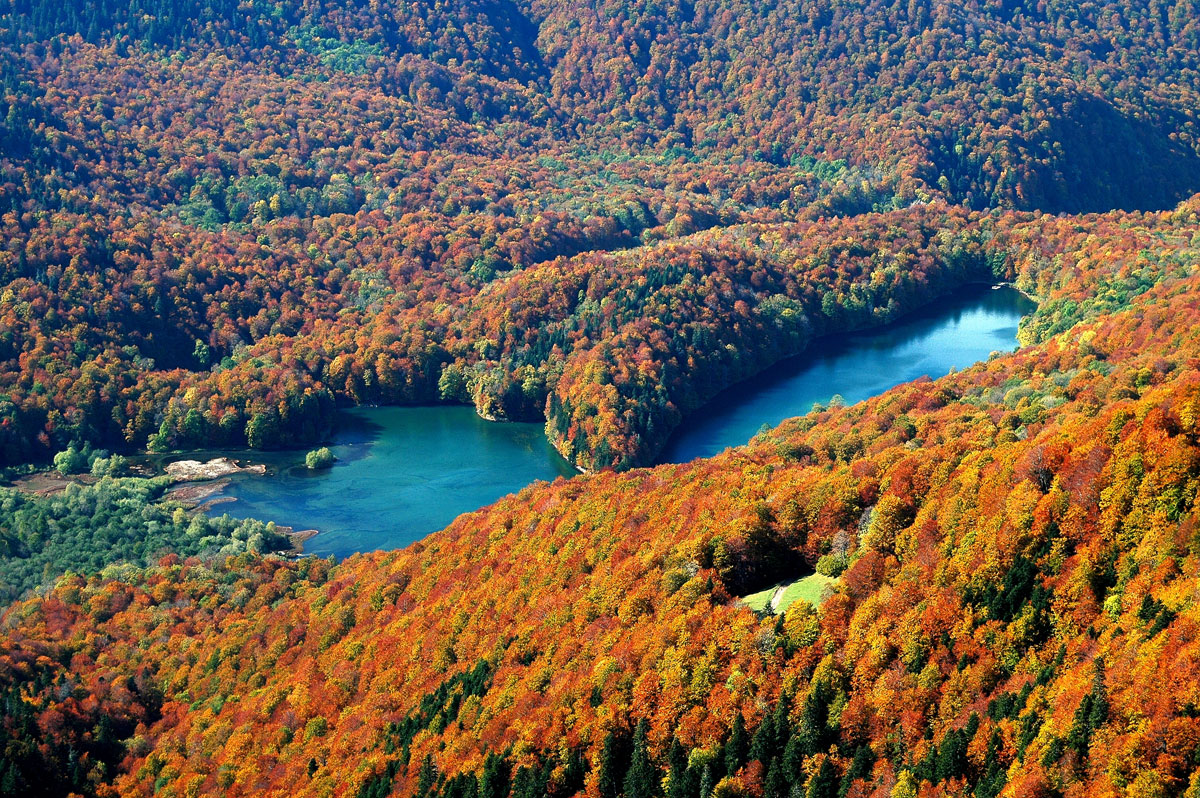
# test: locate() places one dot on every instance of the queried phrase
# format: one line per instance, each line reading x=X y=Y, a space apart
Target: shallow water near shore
x=401 y=473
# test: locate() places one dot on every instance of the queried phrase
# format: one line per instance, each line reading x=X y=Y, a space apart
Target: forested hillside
x=219 y=222
x=1014 y=612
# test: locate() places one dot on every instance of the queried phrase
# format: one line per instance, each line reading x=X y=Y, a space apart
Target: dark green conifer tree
x=775 y=785
x=860 y=768
x=706 y=782
x=762 y=747
x=680 y=779
x=614 y=764
x=825 y=783
x=736 y=747
x=642 y=779
x=427 y=778
x=494 y=783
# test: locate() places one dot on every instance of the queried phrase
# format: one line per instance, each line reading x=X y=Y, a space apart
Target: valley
x=639 y=365
x=402 y=473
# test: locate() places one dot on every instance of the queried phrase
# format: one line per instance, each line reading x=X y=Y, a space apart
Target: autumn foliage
x=219 y=221
x=1016 y=617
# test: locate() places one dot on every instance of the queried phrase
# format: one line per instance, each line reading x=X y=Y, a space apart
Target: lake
x=403 y=472
x=954 y=333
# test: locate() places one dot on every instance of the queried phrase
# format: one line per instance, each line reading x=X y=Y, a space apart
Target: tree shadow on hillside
x=1088 y=157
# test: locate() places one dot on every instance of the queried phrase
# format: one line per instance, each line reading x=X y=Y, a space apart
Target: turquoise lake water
x=403 y=472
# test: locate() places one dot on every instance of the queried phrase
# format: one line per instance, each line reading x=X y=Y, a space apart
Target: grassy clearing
x=810 y=588
x=757 y=601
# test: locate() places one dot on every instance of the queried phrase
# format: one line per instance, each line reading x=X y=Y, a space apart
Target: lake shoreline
x=401 y=473
x=733 y=399
x=378 y=495
x=657 y=457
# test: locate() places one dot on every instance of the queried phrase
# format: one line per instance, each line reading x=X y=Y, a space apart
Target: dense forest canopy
x=221 y=221
x=1014 y=613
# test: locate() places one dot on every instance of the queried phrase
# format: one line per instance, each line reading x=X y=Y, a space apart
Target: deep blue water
x=956 y=332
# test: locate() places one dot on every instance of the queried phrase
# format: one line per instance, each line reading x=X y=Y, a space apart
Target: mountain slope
x=188 y=193
x=1015 y=617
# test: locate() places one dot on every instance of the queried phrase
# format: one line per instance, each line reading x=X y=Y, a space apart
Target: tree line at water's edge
x=86 y=528
x=1015 y=617
x=221 y=222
